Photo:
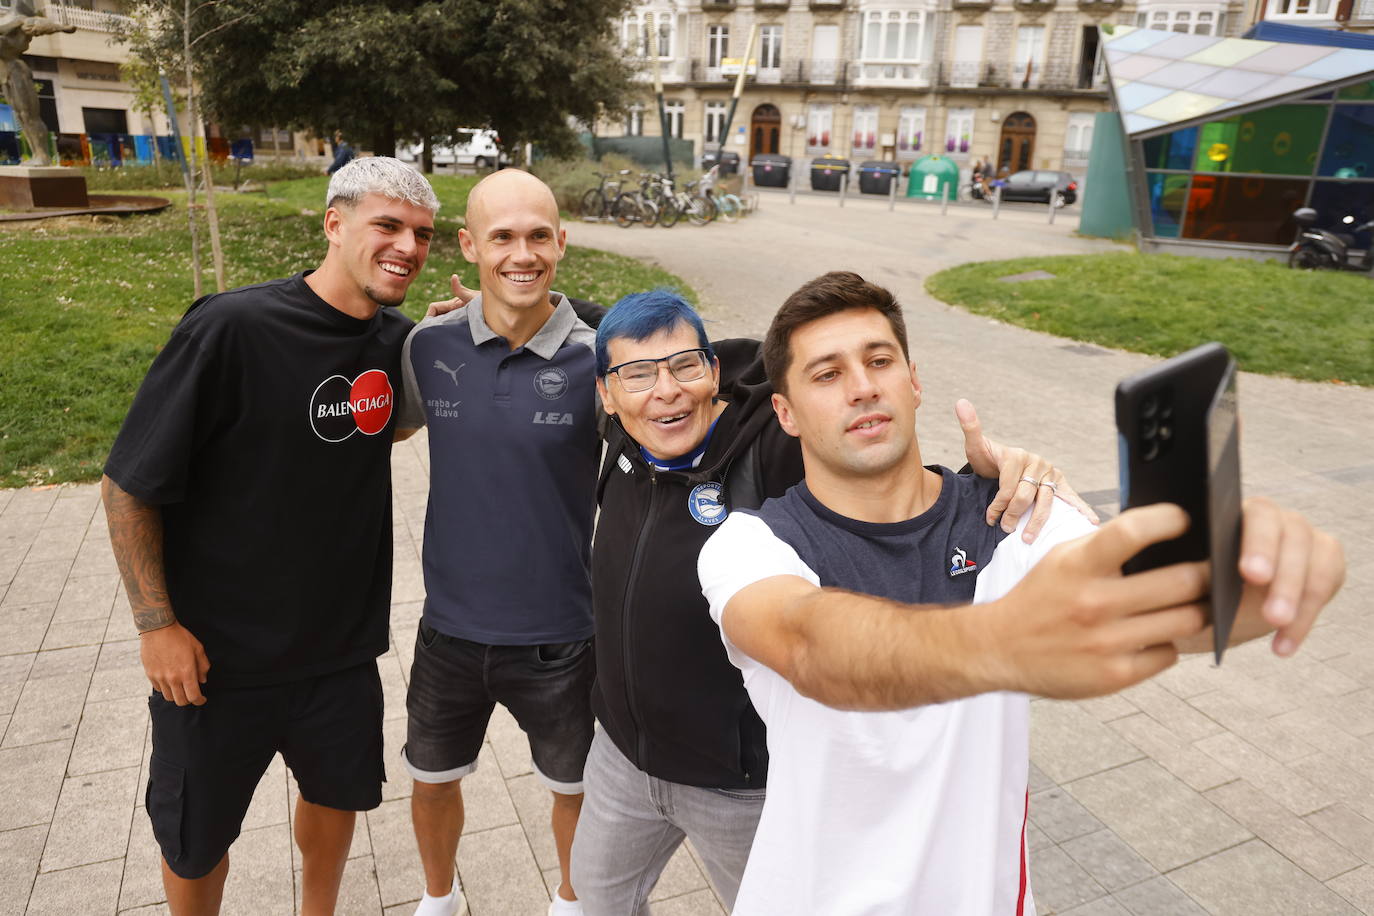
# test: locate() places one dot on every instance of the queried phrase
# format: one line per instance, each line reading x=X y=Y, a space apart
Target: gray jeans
x=631 y=824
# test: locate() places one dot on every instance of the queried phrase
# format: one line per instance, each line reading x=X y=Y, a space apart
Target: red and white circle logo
x=339 y=408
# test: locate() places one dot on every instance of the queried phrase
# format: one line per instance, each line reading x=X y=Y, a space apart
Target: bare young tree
x=168 y=32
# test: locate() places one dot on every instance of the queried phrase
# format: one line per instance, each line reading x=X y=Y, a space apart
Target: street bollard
x=996 y=200
x=792 y=186
x=1052 y=208
x=844 y=187
x=944 y=200
x=892 y=193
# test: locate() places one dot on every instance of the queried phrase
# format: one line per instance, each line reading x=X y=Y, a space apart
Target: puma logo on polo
x=451 y=373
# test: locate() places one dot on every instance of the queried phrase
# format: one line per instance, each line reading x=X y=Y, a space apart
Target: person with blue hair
x=681 y=751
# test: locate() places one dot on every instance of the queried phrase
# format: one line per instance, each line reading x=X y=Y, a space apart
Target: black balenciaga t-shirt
x=263 y=430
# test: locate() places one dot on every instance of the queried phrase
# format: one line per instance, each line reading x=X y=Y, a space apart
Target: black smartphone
x=1179 y=443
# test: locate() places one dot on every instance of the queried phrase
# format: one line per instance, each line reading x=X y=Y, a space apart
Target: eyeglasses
x=642 y=374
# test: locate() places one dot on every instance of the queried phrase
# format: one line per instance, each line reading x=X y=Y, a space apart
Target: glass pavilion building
x=1226 y=137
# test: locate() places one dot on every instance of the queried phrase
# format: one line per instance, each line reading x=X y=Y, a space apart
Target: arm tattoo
x=136 y=536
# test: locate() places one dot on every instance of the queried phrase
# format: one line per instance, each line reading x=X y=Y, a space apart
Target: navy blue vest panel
x=513 y=443
x=933 y=558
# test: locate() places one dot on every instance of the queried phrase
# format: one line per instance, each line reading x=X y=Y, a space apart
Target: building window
x=676 y=111
x=635 y=40
x=1078 y=139
x=632 y=35
x=959 y=131
x=825 y=53
x=819 y=119
x=717 y=44
x=967 y=67
x=865 y=138
x=47 y=102
x=911 y=128
x=715 y=121
x=896 y=44
x=105 y=120
x=1314 y=9
x=1030 y=56
x=770 y=53
x=1194 y=21
x=634 y=121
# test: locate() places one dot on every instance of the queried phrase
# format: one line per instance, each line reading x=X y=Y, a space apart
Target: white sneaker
x=560 y=907
x=451 y=904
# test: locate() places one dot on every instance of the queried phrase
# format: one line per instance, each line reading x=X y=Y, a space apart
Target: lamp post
x=734 y=98
x=651 y=34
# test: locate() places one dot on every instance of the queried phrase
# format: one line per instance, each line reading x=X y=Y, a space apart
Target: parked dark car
x=1038 y=185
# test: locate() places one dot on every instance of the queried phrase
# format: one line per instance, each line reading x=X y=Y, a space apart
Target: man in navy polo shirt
x=507 y=388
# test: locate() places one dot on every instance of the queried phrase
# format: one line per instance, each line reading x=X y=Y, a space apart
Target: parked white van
x=476 y=148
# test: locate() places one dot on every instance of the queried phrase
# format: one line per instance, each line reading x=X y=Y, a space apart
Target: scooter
x=987 y=190
x=1319 y=249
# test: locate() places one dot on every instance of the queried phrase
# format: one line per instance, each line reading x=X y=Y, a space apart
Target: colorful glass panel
x=1231 y=208
x=1349 y=151
x=1281 y=140
x=1168 y=195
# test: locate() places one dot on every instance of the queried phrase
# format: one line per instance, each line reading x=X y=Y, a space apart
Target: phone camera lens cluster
x=1156 y=424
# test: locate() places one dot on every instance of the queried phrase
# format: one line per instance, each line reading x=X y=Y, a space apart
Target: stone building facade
x=1015 y=80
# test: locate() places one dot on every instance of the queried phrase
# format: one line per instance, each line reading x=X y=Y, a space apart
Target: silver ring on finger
x=1050 y=484
x=1030 y=480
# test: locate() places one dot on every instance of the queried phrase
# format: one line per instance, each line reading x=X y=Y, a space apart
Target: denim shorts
x=207 y=760
x=455 y=684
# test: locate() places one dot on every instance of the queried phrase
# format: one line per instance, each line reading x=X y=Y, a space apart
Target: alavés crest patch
x=706 y=505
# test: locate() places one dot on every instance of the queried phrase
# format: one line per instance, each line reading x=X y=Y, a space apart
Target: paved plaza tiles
x=1247 y=789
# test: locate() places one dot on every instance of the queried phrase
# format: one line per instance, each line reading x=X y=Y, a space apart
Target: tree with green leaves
x=404 y=70
x=143 y=72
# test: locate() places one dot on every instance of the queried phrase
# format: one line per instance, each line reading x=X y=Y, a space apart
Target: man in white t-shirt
x=897 y=715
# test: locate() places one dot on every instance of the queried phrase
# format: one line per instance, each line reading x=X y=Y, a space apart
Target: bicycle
x=687 y=202
x=596 y=202
x=726 y=205
x=634 y=206
x=670 y=209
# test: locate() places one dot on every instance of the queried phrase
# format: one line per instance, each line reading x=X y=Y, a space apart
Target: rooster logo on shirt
x=959 y=563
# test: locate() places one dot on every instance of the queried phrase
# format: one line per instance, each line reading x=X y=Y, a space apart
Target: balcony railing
x=962 y=74
x=794 y=72
x=1093 y=6
x=772 y=4
x=718 y=5
x=1363 y=11
x=1034 y=6
x=892 y=73
x=1057 y=77
x=90 y=20
x=673 y=70
x=972 y=4
x=841 y=74
x=822 y=5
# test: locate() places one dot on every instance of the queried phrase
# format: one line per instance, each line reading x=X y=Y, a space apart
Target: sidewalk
x=1245 y=790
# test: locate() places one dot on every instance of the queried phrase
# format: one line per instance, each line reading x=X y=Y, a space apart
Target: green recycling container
x=931 y=175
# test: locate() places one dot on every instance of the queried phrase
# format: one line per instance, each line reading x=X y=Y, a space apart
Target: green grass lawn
x=1309 y=325
x=308 y=193
x=86 y=303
